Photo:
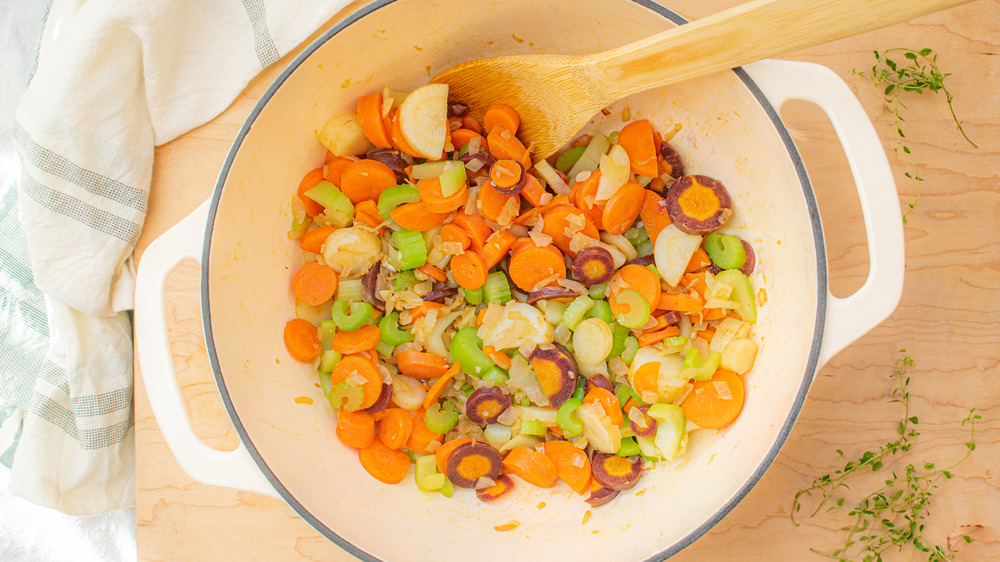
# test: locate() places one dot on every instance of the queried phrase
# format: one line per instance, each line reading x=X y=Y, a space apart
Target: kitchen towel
x=112 y=80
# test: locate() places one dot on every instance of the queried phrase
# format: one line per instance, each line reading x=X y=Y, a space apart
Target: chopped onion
x=433 y=446
x=474 y=147
x=546 y=198
x=578 y=461
x=475 y=164
x=649 y=397
x=621 y=244
x=582 y=176
x=722 y=387
x=573 y=286
x=549 y=174
x=562 y=334
x=546 y=282
x=539 y=237
x=507 y=418
x=615 y=172
x=485 y=482
x=518 y=230
x=435 y=343
x=637 y=417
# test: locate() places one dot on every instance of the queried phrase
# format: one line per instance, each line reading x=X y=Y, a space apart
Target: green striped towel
x=113 y=79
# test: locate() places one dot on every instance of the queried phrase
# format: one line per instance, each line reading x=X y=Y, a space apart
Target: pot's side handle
x=849 y=318
x=229 y=469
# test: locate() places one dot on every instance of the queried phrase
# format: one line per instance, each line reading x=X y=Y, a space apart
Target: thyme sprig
x=891 y=516
x=917 y=72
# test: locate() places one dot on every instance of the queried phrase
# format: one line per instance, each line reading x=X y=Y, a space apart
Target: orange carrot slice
x=314 y=283
x=366 y=180
x=637 y=140
x=301 y=340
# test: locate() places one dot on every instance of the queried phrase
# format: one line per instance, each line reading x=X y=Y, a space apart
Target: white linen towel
x=113 y=79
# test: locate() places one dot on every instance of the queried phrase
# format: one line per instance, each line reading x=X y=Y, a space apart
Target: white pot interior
x=726 y=134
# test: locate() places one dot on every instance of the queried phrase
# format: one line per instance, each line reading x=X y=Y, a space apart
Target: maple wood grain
x=947 y=320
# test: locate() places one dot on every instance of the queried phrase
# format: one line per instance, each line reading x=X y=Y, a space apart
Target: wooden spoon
x=556 y=95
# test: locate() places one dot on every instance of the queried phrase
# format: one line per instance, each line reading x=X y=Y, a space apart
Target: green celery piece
x=619 y=333
x=625 y=392
x=568 y=422
x=638 y=312
x=590 y=160
x=428 y=170
x=467 y=349
x=391 y=333
x=602 y=311
x=328 y=361
x=645 y=248
x=411 y=247
x=447 y=489
x=704 y=367
x=384 y=349
x=325 y=384
x=327 y=329
x=532 y=427
x=597 y=291
x=496 y=289
x=742 y=293
x=581 y=388
x=474 y=296
x=568 y=159
x=496 y=374
x=349 y=290
x=631 y=347
x=351 y=317
x=613 y=137
x=347 y=396
x=395 y=196
x=725 y=250
x=637 y=235
x=405 y=280
x=425 y=468
x=327 y=194
x=629 y=447
x=442 y=417
x=670 y=428
x=573 y=315
x=452 y=180
x=648 y=449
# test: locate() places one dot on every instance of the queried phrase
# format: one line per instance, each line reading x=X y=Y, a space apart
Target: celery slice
x=573 y=315
x=638 y=312
x=328 y=361
x=532 y=427
x=405 y=280
x=452 y=180
x=327 y=194
x=742 y=293
x=391 y=333
x=631 y=347
x=442 y=417
x=474 y=296
x=620 y=334
x=428 y=170
x=349 y=290
x=566 y=417
x=568 y=159
x=467 y=349
x=725 y=250
x=670 y=428
x=496 y=289
x=702 y=367
x=393 y=197
x=412 y=249
x=351 y=317
x=347 y=396
x=602 y=311
x=629 y=447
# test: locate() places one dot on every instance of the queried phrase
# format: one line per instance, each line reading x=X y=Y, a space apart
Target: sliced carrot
x=699 y=260
x=622 y=208
x=696 y=282
x=520 y=244
x=707 y=334
x=396 y=135
x=475 y=227
x=436 y=201
x=384 y=464
x=479 y=317
x=680 y=303
x=366 y=179
x=531 y=466
x=421 y=437
x=713 y=314
x=313 y=240
x=608 y=401
x=394 y=427
x=365 y=338
x=308 y=182
x=498 y=357
x=421 y=310
x=571 y=463
x=558 y=219
x=416 y=216
x=717 y=402
x=506 y=173
x=471 y=123
x=335 y=169
x=638 y=278
x=444 y=451
x=356 y=429
x=439 y=385
x=534 y=264
x=503 y=144
x=491 y=202
x=421 y=365
x=301 y=340
x=527 y=217
x=637 y=140
x=661 y=323
x=469 y=270
x=654 y=214
x=356 y=364
x=654 y=337
x=583 y=196
x=366 y=212
x=503 y=116
x=314 y=283
x=646 y=380
x=370 y=118
x=657 y=142
x=496 y=247
x=328 y=157
x=433 y=272
x=462 y=137
x=533 y=191
x=454 y=234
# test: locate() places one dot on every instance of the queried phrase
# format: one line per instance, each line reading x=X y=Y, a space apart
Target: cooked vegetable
x=502 y=485
x=423 y=120
x=572 y=464
x=486 y=404
x=417 y=216
x=352 y=251
x=359 y=370
x=394 y=159
x=633 y=311
x=531 y=466
x=614 y=472
x=384 y=464
x=396 y=196
x=700 y=367
x=382 y=402
x=556 y=371
x=346 y=396
x=466 y=348
x=356 y=429
x=717 y=402
x=350 y=317
x=698 y=204
x=441 y=418
x=366 y=180
x=357 y=341
x=411 y=247
x=592 y=340
x=742 y=293
x=670 y=162
x=314 y=283
x=673 y=252
x=421 y=365
x=534 y=265
x=642 y=424
x=725 y=250
x=637 y=140
x=739 y=355
x=343 y=136
x=508 y=176
x=301 y=340
x=471 y=461
x=563 y=219
x=593 y=266
x=751 y=259
x=670 y=429
x=503 y=116
x=601 y=496
x=553 y=295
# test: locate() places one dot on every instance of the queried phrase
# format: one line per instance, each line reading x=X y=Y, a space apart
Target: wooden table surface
x=947 y=320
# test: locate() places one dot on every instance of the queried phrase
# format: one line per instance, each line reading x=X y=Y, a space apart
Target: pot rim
x=812 y=365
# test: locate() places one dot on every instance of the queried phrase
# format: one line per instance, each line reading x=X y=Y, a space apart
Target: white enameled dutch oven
x=730 y=131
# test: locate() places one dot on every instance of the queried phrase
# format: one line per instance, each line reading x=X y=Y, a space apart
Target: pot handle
x=229 y=469
x=849 y=318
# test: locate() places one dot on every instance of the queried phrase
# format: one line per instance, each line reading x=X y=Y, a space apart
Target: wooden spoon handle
x=740 y=35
